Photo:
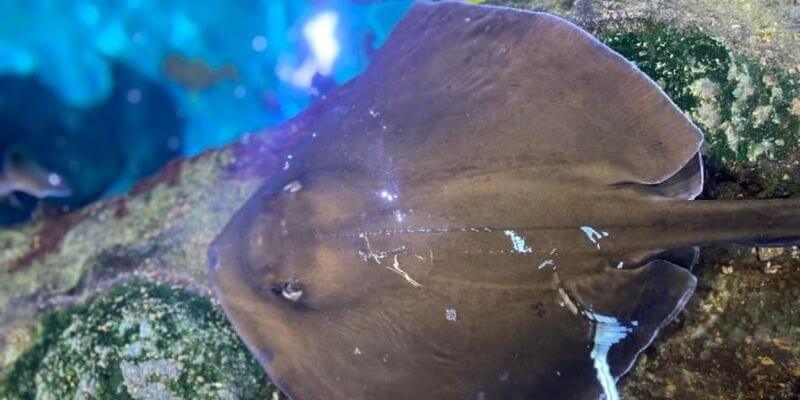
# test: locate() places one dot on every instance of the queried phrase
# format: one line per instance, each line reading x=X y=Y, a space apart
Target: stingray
x=499 y=207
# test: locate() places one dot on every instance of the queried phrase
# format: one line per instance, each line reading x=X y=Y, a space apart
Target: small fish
x=21 y=174
x=196 y=75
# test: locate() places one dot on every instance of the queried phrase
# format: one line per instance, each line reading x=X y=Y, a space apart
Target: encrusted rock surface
x=66 y=310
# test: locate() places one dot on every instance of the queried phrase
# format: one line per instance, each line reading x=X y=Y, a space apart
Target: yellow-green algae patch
x=138 y=341
x=743 y=107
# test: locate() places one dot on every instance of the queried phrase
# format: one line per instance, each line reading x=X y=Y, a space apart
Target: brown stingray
x=485 y=213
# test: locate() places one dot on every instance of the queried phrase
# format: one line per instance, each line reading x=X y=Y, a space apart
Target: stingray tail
x=762 y=223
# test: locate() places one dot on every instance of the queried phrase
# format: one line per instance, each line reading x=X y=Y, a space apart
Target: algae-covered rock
x=745 y=108
x=138 y=341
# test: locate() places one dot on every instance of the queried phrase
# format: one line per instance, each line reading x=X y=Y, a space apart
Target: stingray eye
x=289 y=291
x=292 y=291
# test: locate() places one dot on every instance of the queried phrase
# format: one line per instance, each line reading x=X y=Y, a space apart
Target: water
x=105 y=94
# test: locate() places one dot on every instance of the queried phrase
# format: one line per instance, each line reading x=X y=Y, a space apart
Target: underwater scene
x=365 y=199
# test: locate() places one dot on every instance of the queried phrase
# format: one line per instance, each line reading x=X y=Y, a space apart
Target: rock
x=145 y=340
x=768 y=253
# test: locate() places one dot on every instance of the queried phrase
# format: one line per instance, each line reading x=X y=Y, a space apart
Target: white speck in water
x=635 y=323
x=518 y=242
x=467 y=19
x=286 y=165
x=399 y=215
x=139 y=38
x=593 y=235
x=173 y=143
x=608 y=332
x=373 y=113
x=357 y=351
x=314 y=134
x=451 y=314
x=259 y=43
x=134 y=96
x=620 y=265
x=239 y=91
x=53 y=179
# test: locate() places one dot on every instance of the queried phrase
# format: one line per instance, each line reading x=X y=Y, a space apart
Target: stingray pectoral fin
x=661 y=290
x=685 y=184
x=629 y=307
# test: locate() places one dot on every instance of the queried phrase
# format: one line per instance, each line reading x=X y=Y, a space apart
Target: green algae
x=137 y=341
x=748 y=111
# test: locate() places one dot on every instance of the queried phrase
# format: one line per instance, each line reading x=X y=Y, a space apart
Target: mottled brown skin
x=472 y=127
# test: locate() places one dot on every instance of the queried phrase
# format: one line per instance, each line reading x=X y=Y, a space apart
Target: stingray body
x=496 y=209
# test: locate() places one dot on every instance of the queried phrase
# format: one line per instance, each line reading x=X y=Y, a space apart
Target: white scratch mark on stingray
x=567 y=302
x=593 y=235
x=518 y=242
x=608 y=332
x=547 y=263
x=550 y=261
x=369 y=253
x=380 y=255
x=620 y=265
x=396 y=268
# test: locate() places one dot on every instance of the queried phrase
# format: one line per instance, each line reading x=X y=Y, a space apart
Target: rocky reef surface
x=112 y=301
